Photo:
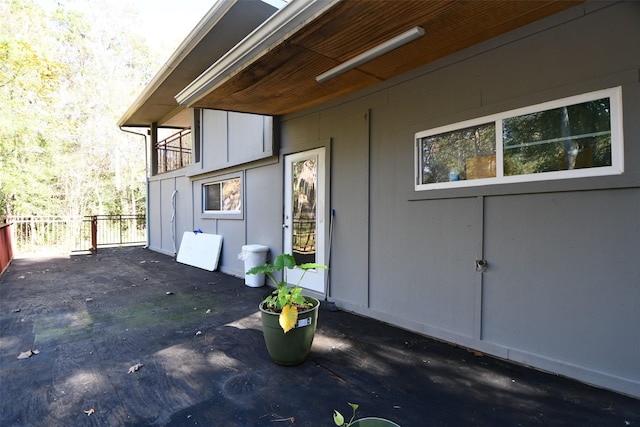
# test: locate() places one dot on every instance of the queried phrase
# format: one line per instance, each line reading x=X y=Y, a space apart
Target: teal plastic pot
x=293 y=347
x=373 y=422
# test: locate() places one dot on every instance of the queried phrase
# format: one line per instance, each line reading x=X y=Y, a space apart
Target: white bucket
x=253 y=256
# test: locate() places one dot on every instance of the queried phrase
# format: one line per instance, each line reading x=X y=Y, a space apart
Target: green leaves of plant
x=311 y=266
x=338 y=418
x=285 y=298
x=261 y=269
x=283 y=261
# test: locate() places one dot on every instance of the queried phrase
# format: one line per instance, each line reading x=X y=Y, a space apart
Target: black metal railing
x=304 y=236
x=37 y=234
x=174 y=152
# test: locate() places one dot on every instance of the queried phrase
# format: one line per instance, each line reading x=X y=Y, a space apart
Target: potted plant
x=288 y=318
x=339 y=420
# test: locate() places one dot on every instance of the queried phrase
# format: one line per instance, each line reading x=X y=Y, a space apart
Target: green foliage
x=284 y=295
x=66 y=76
x=338 y=418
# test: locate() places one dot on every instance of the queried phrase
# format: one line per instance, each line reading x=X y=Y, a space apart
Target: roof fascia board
x=271 y=33
x=206 y=24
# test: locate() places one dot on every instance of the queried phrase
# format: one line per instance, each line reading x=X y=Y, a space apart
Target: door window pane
x=305 y=182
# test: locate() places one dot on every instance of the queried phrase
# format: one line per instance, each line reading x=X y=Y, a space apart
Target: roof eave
x=270 y=34
x=213 y=16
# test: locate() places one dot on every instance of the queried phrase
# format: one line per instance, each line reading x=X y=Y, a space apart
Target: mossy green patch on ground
x=160 y=310
x=63 y=327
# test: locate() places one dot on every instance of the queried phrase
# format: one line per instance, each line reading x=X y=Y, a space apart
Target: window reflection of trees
x=571 y=137
x=232 y=200
x=565 y=138
x=446 y=156
x=305 y=178
x=223 y=196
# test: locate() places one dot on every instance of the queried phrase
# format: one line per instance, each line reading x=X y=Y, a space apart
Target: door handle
x=285 y=226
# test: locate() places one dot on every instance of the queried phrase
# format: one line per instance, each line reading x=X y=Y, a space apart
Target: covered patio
x=131 y=337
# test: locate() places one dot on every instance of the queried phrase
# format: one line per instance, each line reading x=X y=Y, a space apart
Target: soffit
x=282 y=80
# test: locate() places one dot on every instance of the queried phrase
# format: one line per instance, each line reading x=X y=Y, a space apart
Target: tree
x=29 y=79
x=66 y=76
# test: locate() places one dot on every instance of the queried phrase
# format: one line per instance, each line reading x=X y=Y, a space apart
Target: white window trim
x=617 y=149
x=219 y=214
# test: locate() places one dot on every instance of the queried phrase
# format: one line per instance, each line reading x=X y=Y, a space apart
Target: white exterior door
x=304 y=215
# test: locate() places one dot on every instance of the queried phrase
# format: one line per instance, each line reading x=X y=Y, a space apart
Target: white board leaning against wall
x=200 y=250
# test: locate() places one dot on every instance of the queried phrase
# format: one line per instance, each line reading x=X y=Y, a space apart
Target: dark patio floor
x=198 y=336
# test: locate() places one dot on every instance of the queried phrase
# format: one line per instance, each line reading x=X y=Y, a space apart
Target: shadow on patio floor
x=198 y=338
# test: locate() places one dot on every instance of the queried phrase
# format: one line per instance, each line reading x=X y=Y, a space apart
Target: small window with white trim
x=573 y=137
x=222 y=197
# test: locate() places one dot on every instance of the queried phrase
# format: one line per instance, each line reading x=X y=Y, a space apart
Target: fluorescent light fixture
x=372 y=53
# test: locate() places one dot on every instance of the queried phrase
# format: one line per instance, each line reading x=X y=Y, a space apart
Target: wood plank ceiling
x=283 y=80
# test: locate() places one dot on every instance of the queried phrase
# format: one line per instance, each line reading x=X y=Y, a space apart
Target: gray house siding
x=562 y=288
x=261 y=222
x=162 y=230
x=263 y=209
x=231 y=139
x=233 y=144
x=350 y=199
x=577 y=303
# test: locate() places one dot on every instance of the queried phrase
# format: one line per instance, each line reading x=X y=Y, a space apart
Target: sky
x=168 y=22
x=165 y=23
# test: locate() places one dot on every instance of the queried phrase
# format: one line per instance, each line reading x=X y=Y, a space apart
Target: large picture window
x=568 y=138
x=223 y=196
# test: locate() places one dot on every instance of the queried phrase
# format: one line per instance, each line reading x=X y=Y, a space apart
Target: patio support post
x=94 y=234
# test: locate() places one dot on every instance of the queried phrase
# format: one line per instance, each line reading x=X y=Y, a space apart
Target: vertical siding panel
x=552 y=290
x=349 y=272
